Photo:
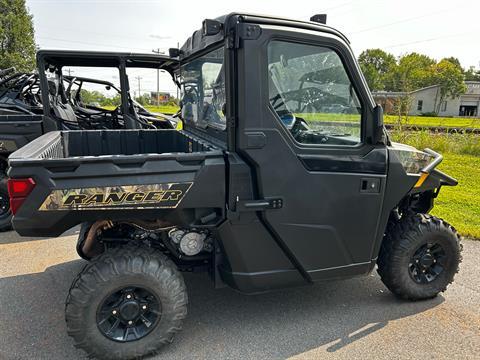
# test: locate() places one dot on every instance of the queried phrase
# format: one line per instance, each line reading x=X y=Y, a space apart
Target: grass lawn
x=460 y=205
x=434 y=121
x=388 y=119
x=393 y=119
x=165 y=109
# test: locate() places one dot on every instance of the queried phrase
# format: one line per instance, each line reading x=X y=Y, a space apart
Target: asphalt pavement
x=351 y=319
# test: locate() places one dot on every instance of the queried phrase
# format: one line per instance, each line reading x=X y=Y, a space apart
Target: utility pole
x=178 y=94
x=139 y=90
x=158 y=52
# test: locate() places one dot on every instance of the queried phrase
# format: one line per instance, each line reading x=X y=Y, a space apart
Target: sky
x=437 y=28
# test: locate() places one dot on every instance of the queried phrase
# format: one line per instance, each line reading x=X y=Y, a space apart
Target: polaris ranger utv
x=24 y=117
x=282 y=176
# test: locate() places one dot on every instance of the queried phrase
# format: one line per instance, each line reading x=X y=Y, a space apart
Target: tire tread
x=398 y=239
x=107 y=265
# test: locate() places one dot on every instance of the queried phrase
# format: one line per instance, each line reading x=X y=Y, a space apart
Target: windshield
x=203 y=91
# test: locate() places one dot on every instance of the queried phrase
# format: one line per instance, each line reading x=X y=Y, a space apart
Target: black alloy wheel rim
x=427 y=263
x=128 y=314
x=4 y=204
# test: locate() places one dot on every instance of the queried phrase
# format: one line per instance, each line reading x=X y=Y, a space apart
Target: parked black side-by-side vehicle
x=23 y=116
x=283 y=175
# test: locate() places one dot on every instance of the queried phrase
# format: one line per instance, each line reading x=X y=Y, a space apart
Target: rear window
x=203 y=91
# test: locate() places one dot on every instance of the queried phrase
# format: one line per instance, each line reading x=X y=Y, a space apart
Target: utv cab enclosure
x=283 y=175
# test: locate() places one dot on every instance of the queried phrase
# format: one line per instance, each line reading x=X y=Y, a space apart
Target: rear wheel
x=5 y=213
x=126 y=303
x=419 y=257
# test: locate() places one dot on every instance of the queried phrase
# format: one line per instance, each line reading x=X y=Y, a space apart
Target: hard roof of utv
x=103 y=59
x=198 y=42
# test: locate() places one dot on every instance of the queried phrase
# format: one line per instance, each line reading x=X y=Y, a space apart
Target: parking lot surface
x=350 y=319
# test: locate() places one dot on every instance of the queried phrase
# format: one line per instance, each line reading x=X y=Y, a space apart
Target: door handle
x=370 y=185
x=259 y=205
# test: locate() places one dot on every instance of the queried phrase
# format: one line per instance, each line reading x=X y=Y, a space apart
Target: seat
x=61 y=108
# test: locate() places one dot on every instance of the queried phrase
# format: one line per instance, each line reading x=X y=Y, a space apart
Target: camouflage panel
x=151 y=196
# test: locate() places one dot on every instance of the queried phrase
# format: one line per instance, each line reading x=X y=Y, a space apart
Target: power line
x=150 y=37
x=427 y=40
x=338 y=6
x=404 y=20
x=89 y=43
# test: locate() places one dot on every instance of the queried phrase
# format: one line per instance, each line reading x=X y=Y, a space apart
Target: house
x=160 y=97
x=423 y=101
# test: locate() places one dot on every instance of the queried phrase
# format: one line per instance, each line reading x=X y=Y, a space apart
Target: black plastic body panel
x=70 y=160
x=18 y=130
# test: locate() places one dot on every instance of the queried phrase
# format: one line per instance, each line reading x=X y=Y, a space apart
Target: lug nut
x=144 y=307
x=114 y=312
x=130 y=322
x=129 y=296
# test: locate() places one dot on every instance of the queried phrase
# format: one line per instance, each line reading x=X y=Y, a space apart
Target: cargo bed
x=108 y=174
x=114 y=143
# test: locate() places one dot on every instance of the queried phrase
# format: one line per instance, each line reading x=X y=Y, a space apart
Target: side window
x=203 y=90
x=311 y=93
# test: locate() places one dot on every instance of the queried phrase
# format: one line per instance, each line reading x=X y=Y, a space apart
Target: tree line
x=385 y=72
x=98 y=98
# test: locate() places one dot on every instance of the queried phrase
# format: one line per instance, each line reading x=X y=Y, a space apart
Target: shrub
x=449 y=142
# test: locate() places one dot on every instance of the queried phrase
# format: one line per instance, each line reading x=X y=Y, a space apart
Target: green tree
x=414 y=71
x=450 y=78
x=92 y=97
x=454 y=61
x=17 y=43
x=377 y=67
x=472 y=74
x=143 y=100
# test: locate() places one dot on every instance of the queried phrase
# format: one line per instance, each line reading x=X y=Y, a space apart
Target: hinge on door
x=242 y=32
x=249 y=31
x=231 y=122
x=233 y=41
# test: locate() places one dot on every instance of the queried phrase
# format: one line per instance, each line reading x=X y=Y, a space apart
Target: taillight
x=18 y=190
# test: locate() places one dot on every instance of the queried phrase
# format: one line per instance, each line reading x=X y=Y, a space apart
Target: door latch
x=260 y=205
x=370 y=185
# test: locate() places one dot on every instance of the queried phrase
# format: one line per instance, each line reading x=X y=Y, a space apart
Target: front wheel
x=126 y=303
x=419 y=257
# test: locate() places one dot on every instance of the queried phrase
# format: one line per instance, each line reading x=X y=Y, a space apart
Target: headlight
x=413 y=160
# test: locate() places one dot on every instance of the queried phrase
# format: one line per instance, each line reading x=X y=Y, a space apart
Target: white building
x=423 y=101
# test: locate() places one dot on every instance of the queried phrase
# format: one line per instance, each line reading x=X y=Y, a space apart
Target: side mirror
x=174 y=52
x=211 y=27
x=377 y=124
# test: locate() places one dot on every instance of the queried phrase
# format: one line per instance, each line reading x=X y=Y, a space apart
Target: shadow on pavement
x=221 y=323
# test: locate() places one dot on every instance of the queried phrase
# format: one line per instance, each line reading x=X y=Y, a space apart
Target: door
x=305 y=120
